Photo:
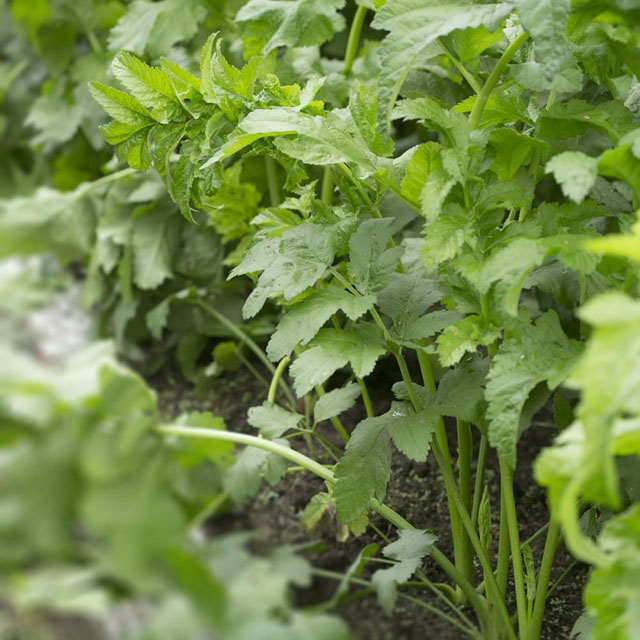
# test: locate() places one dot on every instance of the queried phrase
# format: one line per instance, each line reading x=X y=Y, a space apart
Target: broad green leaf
x=575 y=172
x=154 y=243
x=446 y=236
x=291 y=23
x=289 y=264
x=461 y=391
x=155 y=27
x=413 y=26
x=412 y=432
x=542 y=353
x=546 y=21
x=331 y=350
x=335 y=402
x=321 y=140
x=372 y=262
x=363 y=471
x=512 y=150
x=272 y=420
x=301 y=323
x=424 y=160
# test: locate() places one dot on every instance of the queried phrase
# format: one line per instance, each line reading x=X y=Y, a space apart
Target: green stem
x=326 y=192
x=474 y=83
x=354 y=38
x=256 y=374
x=275 y=380
x=335 y=421
x=544 y=575
x=506 y=482
x=272 y=180
x=326 y=474
x=561 y=577
x=366 y=398
x=494 y=77
x=478 y=488
x=244 y=338
x=465 y=449
x=460 y=541
x=502 y=572
x=333 y=575
x=85 y=188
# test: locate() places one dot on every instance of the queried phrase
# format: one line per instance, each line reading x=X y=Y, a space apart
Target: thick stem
x=544 y=575
x=465 y=449
x=502 y=572
x=478 y=488
x=506 y=482
x=354 y=39
x=494 y=77
x=272 y=181
x=461 y=544
x=326 y=192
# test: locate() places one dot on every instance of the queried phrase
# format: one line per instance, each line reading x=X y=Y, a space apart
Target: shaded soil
x=415 y=491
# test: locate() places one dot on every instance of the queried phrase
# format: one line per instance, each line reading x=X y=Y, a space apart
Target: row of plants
x=452 y=197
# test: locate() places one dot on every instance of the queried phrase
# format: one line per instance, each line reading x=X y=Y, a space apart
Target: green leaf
x=372 y=262
x=542 y=353
x=292 y=23
x=575 y=172
x=272 y=420
x=462 y=337
x=461 y=391
x=546 y=21
x=512 y=150
x=152 y=87
x=363 y=471
x=408 y=550
x=412 y=432
x=242 y=480
x=302 y=322
x=154 y=241
x=321 y=140
x=121 y=106
x=612 y=594
x=156 y=26
x=332 y=349
x=626 y=246
x=289 y=264
x=446 y=236
x=413 y=26
x=335 y=402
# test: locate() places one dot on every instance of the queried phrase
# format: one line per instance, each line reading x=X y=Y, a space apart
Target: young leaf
x=409 y=550
x=575 y=172
x=335 y=402
x=272 y=420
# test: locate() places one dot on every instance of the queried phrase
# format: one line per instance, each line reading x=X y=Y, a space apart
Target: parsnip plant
x=440 y=193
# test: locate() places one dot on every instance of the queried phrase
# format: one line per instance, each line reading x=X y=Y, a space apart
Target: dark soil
x=415 y=491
